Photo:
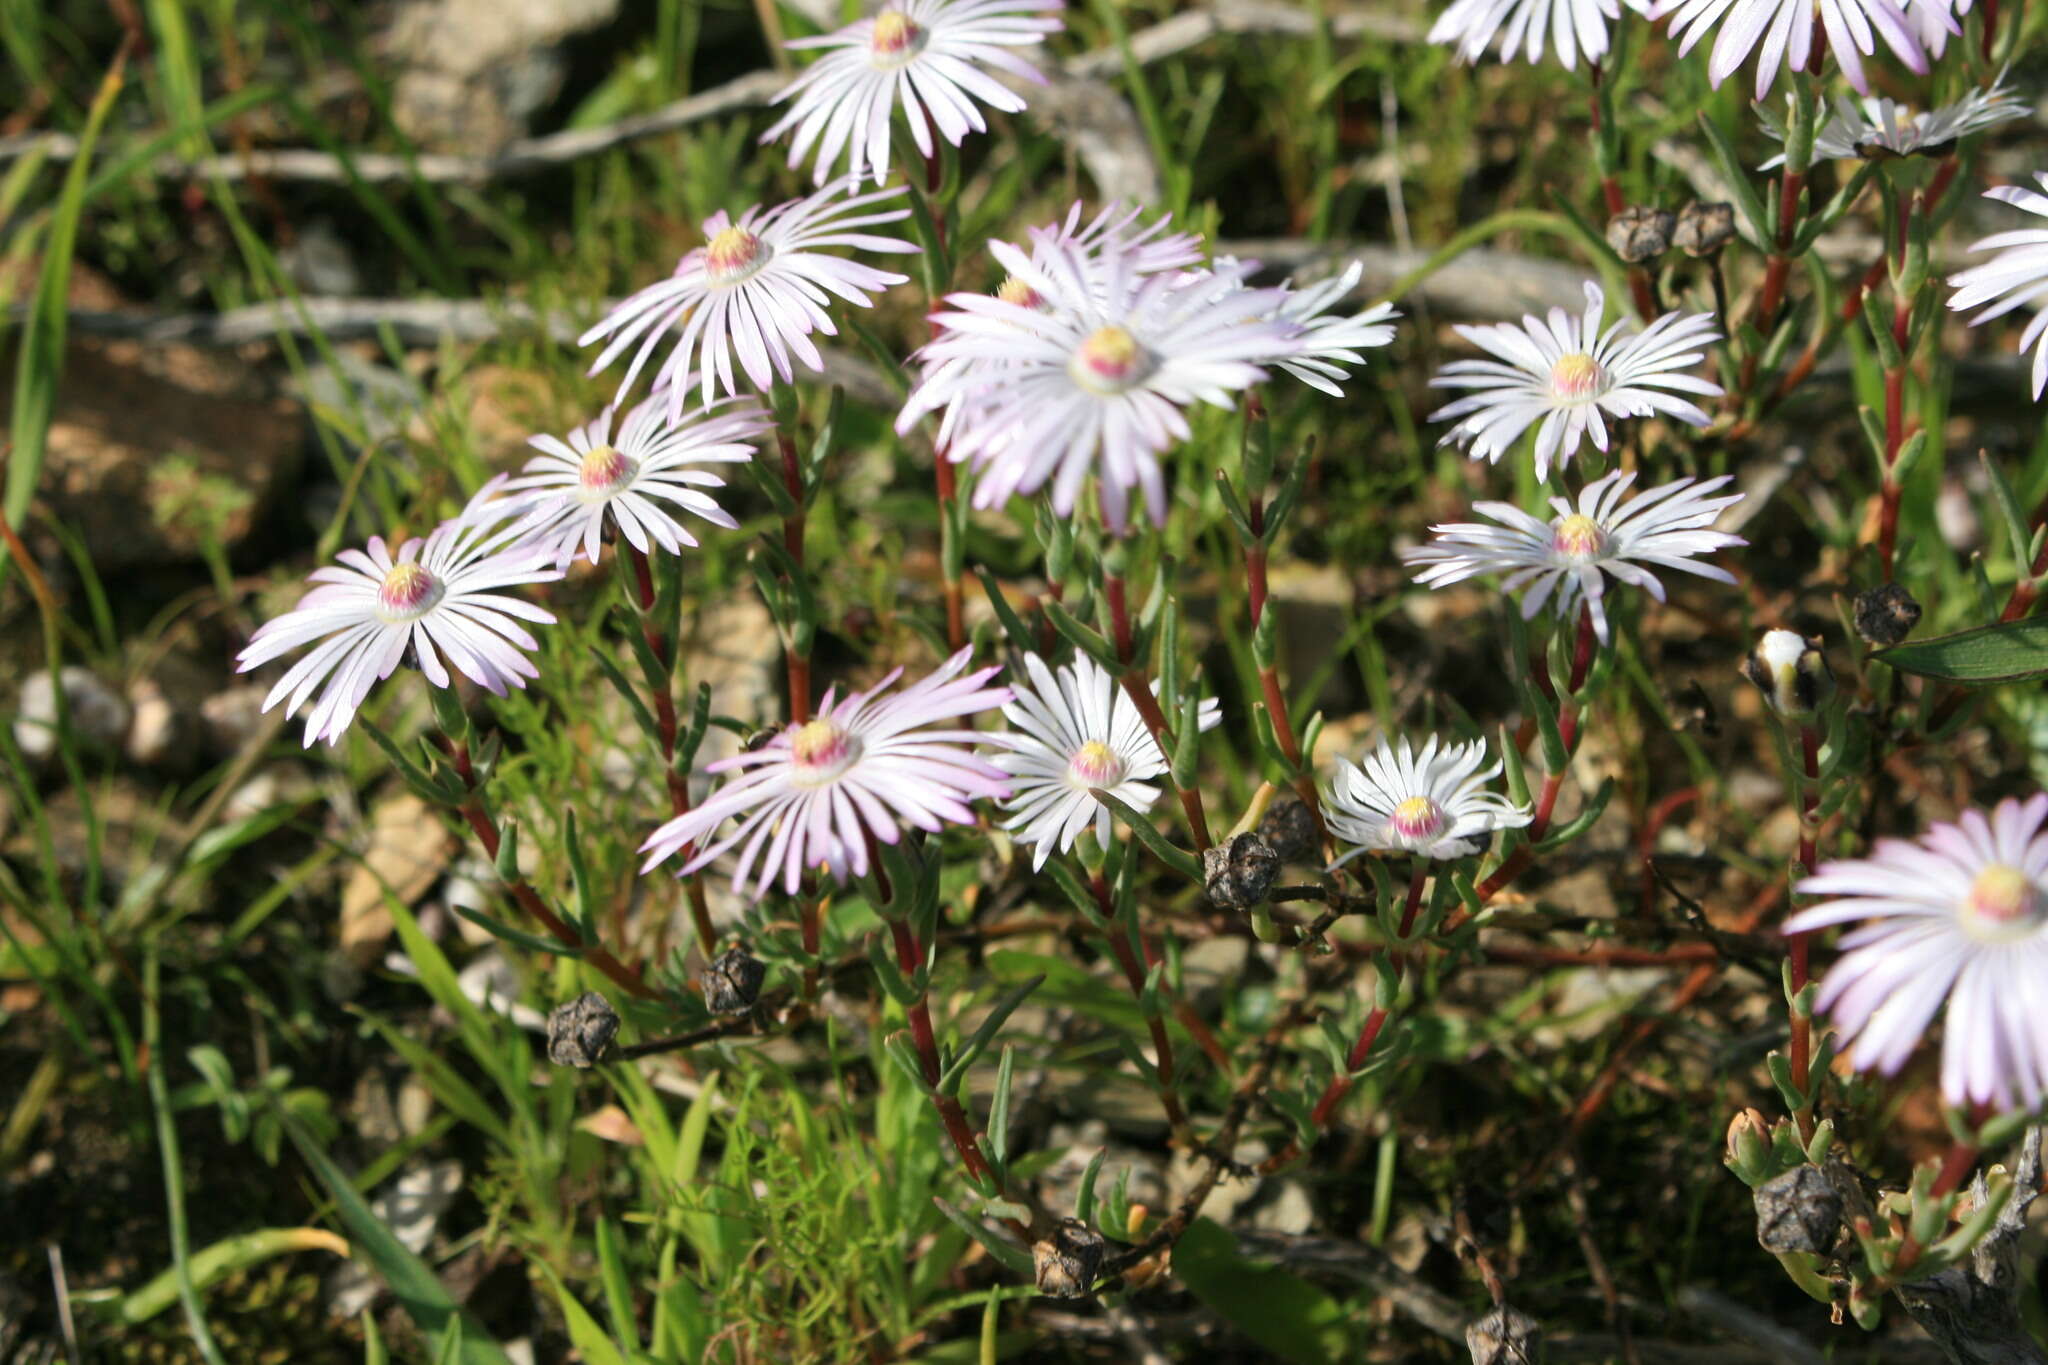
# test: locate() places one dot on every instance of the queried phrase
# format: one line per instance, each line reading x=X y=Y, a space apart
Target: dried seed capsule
x=732 y=981
x=1798 y=1211
x=1885 y=615
x=1791 y=672
x=1640 y=234
x=1068 y=1260
x=1506 y=1336
x=580 y=1031
x=1289 y=829
x=1703 y=229
x=1240 y=873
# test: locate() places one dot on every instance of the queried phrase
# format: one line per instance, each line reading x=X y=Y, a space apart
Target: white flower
x=1072 y=730
x=1786 y=30
x=1433 y=804
x=1875 y=128
x=1571 y=556
x=2017 y=275
x=861 y=769
x=570 y=492
x=436 y=597
x=1935 y=22
x=1955 y=916
x=1566 y=373
x=1090 y=375
x=1322 y=347
x=927 y=56
x=756 y=289
x=1572 y=26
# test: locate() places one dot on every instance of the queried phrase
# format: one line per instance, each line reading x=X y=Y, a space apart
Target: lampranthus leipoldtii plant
x=1095 y=381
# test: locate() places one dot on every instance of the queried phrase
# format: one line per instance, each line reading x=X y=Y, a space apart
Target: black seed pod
x=1240 y=873
x=1798 y=1211
x=1068 y=1260
x=1886 y=614
x=580 y=1031
x=732 y=981
x=1640 y=234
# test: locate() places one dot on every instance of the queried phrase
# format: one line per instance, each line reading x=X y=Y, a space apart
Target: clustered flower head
x=437 y=602
x=866 y=765
x=1875 y=128
x=1088 y=358
x=1073 y=731
x=2016 y=274
x=1958 y=917
x=748 y=301
x=1786 y=30
x=1567 y=376
x=1568 y=559
x=932 y=57
x=632 y=483
x=1432 y=803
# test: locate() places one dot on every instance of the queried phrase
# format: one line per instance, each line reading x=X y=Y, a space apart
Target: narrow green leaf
x=2009 y=651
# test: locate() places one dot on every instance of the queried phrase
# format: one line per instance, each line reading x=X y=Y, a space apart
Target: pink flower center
x=1578 y=537
x=603 y=472
x=1014 y=290
x=1109 y=361
x=1576 y=378
x=1418 y=817
x=1095 y=764
x=407 y=593
x=733 y=255
x=895 y=39
x=821 y=750
x=2003 y=903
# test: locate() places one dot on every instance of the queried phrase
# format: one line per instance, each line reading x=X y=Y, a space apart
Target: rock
x=319 y=262
x=98 y=714
x=228 y=718
x=368 y=400
x=158 y=737
x=156 y=456
x=407 y=852
x=477 y=70
x=411 y=1206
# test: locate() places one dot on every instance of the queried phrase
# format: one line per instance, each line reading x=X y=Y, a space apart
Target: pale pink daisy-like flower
x=1878 y=129
x=2017 y=275
x=864 y=766
x=1935 y=21
x=1957 y=917
x=435 y=598
x=755 y=291
x=1570 y=557
x=1074 y=730
x=1785 y=28
x=1571 y=26
x=1432 y=803
x=1317 y=354
x=926 y=55
x=1092 y=375
x=1569 y=376
x=634 y=483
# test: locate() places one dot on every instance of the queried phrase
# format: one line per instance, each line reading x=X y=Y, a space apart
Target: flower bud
x=1289 y=829
x=1749 y=1136
x=1068 y=1260
x=1886 y=614
x=1238 y=874
x=1798 y=1211
x=1640 y=234
x=580 y=1031
x=1505 y=1336
x=1703 y=229
x=1791 y=672
x=732 y=981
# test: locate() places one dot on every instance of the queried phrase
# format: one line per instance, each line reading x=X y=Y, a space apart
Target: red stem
x=1134 y=976
x=1138 y=688
x=665 y=724
x=909 y=957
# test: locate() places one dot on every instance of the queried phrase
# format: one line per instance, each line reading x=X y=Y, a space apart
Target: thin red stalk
x=799 y=665
x=1139 y=689
x=1134 y=976
x=1955 y=1166
x=1894 y=435
x=486 y=830
x=1269 y=677
x=909 y=957
x=1646 y=841
x=1553 y=784
x=1797 y=946
x=665 y=723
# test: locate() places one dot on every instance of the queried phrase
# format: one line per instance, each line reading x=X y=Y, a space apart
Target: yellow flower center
x=1578 y=537
x=1576 y=377
x=821 y=749
x=895 y=39
x=1014 y=290
x=1095 y=764
x=2003 y=903
x=1109 y=361
x=407 y=593
x=733 y=255
x=1418 y=817
x=603 y=472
